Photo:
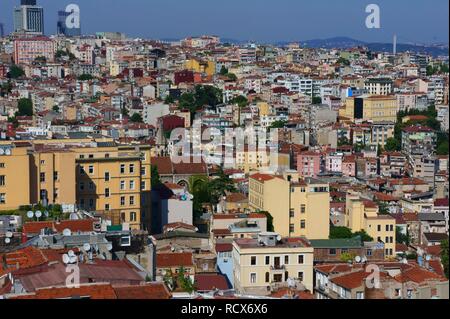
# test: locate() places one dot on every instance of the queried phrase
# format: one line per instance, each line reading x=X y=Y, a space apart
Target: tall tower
x=395 y=45
x=29 y=18
x=2 y=30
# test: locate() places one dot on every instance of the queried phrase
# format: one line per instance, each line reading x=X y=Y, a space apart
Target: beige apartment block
x=269 y=262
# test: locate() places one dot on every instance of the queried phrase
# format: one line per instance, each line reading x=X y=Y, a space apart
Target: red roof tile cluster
x=25 y=258
x=208 y=282
x=174 y=260
x=82 y=225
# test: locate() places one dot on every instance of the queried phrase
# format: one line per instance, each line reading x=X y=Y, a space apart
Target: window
x=106 y=207
x=82 y=169
x=133 y=217
x=2 y=165
x=131 y=168
x=122 y=200
x=122 y=185
x=302 y=208
x=379 y=228
x=131 y=184
x=2 y=180
x=267 y=277
x=267 y=259
x=2 y=198
x=55 y=176
x=286 y=260
x=253 y=260
x=131 y=200
x=332 y=251
x=91 y=202
x=106 y=155
x=142 y=185
x=91 y=155
x=253 y=278
x=369 y=252
x=42 y=177
x=107 y=177
x=344 y=250
x=391 y=227
x=360 y=295
x=107 y=194
x=91 y=169
x=300 y=275
x=91 y=185
x=291 y=228
x=81 y=156
x=303 y=224
x=42 y=162
x=81 y=186
x=122 y=168
x=301 y=259
x=291 y=213
x=387 y=227
x=143 y=171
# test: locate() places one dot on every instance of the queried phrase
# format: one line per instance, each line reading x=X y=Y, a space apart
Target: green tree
x=25 y=107
x=55 y=108
x=185 y=281
x=223 y=70
x=85 y=77
x=240 y=100
x=401 y=238
x=278 y=124
x=155 y=179
x=136 y=118
x=231 y=76
x=169 y=99
x=15 y=72
x=392 y=144
x=316 y=100
x=340 y=232
x=270 y=227
x=444 y=256
x=364 y=236
x=343 y=141
x=343 y=61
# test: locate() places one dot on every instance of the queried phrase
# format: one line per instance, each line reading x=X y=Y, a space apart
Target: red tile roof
x=25 y=258
x=147 y=291
x=174 y=260
x=223 y=247
x=82 y=225
x=208 y=282
x=93 y=291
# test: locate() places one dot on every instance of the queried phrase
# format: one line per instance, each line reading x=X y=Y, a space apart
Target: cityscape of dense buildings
x=349 y=177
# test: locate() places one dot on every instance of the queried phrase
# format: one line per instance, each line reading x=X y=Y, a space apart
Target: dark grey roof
x=431 y=216
x=435 y=236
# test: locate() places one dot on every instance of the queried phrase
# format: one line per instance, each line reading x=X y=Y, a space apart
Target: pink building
x=349 y=166
x=26 y=50
x=308 y=164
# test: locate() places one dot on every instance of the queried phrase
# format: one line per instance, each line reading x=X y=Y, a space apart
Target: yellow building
x=378 y=108
x=363 y=215
x=298 y=207
x=207 y=67
x=94 y=175
x=264 y=108
x=14 y=179
x=264 y=264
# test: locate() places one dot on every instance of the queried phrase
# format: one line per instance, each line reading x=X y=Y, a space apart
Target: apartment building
x=363 y=215
x=379 y=86
x=269 y=262
x=377 y=108
x=298 y=207
x=93 y=175
x=14 y=179
x=26 y=50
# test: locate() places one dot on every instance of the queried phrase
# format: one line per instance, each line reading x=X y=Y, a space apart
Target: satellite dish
x=70 y=253
x=67 y=232
x=109 y=247
x=279 y=238
x=364 y=259
x=46 y=213
x=427 y=257
x=404 y=261
x=66 y=259
x=358 y=259
x=87 y=247
x=8 y=234
x=172 y=249
x=38 y=213
x=30 y=214
x=7 y=240
x=73 y=259
x=2 y=151
x=8 y=151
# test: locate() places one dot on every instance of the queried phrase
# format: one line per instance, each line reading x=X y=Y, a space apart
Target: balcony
x=278 y=268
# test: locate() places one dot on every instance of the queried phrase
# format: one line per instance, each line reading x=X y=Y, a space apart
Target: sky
x=419 y=21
